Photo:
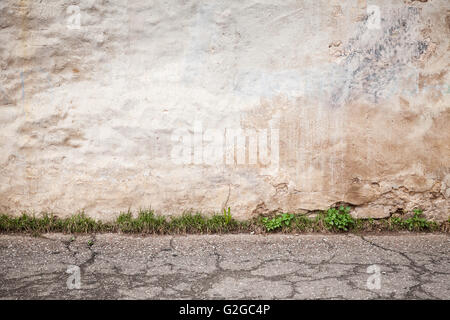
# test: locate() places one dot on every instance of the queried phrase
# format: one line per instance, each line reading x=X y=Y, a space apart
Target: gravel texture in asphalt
x=242 y=266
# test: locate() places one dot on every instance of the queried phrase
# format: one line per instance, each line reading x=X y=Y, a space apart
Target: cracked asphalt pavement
x=242 y=266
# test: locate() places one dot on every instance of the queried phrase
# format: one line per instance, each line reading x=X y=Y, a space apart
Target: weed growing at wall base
x=277 y=222
x=78 y=223
x=147 y=222
x=339 y=219
x=416 y=223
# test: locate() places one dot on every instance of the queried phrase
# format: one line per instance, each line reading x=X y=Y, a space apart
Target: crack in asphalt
x=248 y=268
x=419 y=270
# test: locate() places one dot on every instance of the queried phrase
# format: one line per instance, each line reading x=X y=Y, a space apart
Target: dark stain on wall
x=377 y=61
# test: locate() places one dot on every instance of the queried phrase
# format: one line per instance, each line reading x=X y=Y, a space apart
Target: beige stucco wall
x=107 y=106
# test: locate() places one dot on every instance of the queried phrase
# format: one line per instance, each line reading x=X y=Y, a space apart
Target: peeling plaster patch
x=359 y=115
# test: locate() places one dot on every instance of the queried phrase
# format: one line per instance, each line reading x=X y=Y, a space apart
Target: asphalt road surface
x=114 y=266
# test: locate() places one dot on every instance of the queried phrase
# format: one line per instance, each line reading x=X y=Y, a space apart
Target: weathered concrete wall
x=259 y=105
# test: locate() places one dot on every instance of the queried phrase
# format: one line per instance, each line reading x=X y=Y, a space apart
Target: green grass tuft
x=147 y=222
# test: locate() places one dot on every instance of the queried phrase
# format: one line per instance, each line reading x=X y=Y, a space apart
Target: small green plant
x=302 y=223
x=278 y=221
x=227 y=215
x=219 y=223
x=147 y=222
x=187 y=223
x=79 y=223
x=90 y=243
x=397 y=221
x=417 y=222
x=125 y=222
x=339 y=219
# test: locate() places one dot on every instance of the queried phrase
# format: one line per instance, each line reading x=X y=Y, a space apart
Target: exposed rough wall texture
x=259 y=105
